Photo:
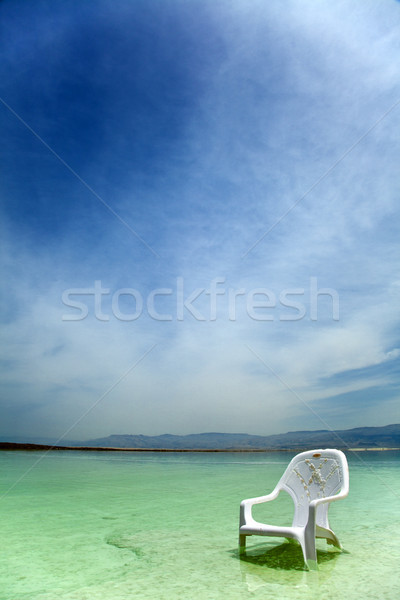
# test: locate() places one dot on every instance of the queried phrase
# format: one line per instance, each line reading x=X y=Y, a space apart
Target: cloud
x=242 y=143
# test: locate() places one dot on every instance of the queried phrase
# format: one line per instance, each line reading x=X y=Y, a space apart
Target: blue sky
x=170 y=150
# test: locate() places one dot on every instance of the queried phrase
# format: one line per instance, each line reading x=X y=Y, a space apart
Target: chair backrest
x=314 y=474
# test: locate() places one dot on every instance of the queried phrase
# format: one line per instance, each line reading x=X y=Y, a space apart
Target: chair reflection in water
x=313 y=479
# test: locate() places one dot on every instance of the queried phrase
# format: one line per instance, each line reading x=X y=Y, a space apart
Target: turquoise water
x=117 y=526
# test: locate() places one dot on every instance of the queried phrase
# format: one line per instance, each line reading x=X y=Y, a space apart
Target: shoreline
x=46 y=447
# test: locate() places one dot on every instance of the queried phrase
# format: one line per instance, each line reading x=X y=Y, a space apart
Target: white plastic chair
x=313 y=479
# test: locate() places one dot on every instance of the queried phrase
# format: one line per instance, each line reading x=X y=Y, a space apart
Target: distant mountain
x=360 y=437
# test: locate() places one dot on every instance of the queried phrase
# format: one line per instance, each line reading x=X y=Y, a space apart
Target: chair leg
x=334 y=541
x=311 y=565
x=331 y=538
x=309 y=551
x=242 y=543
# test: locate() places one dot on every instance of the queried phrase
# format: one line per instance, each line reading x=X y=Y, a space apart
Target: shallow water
x=117 y=526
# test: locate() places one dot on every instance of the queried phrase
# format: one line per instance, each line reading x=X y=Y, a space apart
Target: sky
x=199 y=216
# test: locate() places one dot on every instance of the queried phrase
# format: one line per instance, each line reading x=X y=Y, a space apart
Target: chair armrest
x=312 y=509
x=342 y=494
x=246 y=505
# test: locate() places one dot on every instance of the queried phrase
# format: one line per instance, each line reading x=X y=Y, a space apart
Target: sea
x=118 y=525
